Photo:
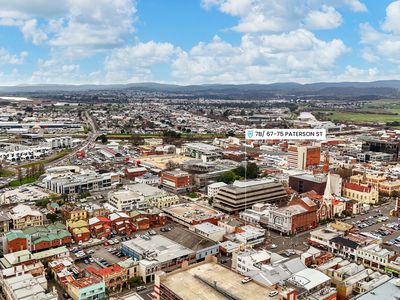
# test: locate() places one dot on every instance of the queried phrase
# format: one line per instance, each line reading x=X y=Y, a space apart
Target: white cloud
x=55 y=71
x=383 y=44
x=32 y=33
x=77 y=27
x=21 y=9
x=6 y=58
x=298 y=55
x=134 y=62
x=94 y=26
x=392 y=20
x=284 y=15
x=356 y=5
x=356 y=74
x=369 y=55
x=326 y=18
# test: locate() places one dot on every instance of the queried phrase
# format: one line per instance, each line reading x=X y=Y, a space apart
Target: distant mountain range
x=335 y=90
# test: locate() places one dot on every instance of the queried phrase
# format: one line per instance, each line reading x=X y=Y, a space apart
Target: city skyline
x=196 y=42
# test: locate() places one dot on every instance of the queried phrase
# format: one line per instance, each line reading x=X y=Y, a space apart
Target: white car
x=246 y=279
x=273 y=293
x=274 y=246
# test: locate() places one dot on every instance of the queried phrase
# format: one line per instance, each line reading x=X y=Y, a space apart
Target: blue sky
x=198 y=41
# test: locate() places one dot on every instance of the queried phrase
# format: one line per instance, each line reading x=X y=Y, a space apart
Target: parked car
x=273 y=293
x=246 y=279
x=140 y=288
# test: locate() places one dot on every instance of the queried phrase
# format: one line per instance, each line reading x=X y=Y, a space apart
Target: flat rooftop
x=189 y=212
x=189 y=239
x=159 y=248
x=160 y=161
x=324 y=234
x=187 y=286
x=313 y=178
x=390 y=290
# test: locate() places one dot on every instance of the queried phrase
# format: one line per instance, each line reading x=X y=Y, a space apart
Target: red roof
x=84 y=282
x=103 y=219
x=357 y=187
x=105 y=271
x=313 y=195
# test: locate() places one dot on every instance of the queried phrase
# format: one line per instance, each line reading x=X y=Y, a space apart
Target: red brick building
x=121 y=223
x=37 y=238
x=303 y=183
x=114 y=277
x=132 y=173
x=177 y=181
x=79 y=230
x=299 y=215
x=100 y=227
x=15 y=241
x=307 y=219
x=154 y=217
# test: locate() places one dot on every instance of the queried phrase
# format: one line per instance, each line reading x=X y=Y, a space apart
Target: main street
x=93 y=134
x=90 y=139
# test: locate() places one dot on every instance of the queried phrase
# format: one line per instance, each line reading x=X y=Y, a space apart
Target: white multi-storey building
x=250 y=260
x=213 y=189
x=59 y=142
x=153 y=196
x=374 y=256
x=126 y=200
x=77 y=183
x=16 y=152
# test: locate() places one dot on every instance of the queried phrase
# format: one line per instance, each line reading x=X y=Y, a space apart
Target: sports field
x=392 y=106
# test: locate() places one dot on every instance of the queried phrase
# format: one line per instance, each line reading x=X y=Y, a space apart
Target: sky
x=198 y=41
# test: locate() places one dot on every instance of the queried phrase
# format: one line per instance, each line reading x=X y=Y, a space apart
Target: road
x=90 y=139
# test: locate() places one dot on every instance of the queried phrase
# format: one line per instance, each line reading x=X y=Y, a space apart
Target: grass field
x=24 y=180
x=360 y=117
x=384 y=105
x=184 y=135
x=6 y=173
x=49 y=159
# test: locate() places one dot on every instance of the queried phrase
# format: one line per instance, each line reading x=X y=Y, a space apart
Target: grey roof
x=4 y=217
x=389 y=290
x=189 y=239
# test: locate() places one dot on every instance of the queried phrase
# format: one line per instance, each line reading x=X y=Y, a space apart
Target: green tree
x=19 y=174
x=103 y=139
x=249 y=172
x=172 y=134
x=136 y=140
x=135 y=281
x=43 y=202
x=52 y=217
x=227 y=177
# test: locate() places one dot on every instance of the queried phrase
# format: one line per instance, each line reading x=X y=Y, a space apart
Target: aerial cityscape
x=200 y=150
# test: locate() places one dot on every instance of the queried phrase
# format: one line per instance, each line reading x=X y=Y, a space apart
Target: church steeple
x=325 y=169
